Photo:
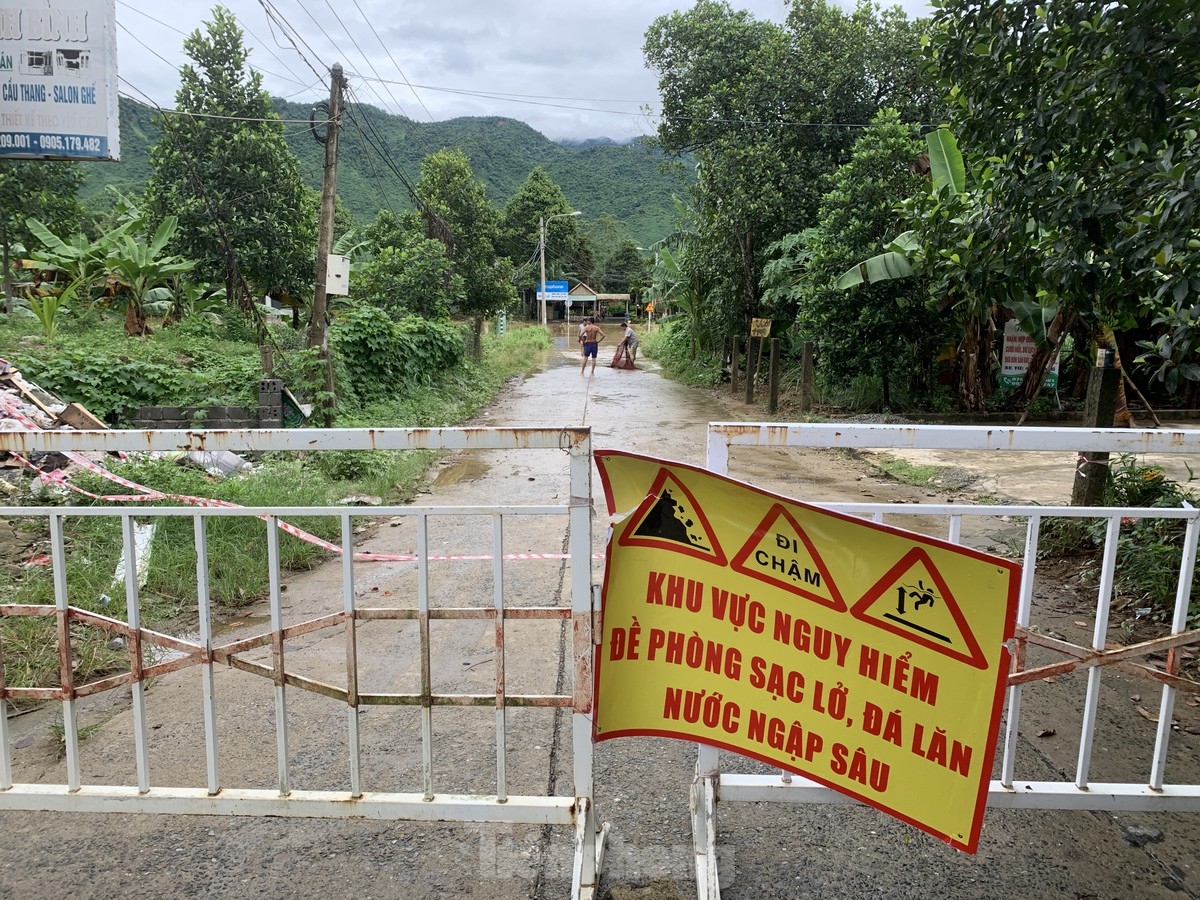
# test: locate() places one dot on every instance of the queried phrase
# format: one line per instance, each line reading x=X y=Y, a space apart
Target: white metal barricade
x=152 y=654
x=713 y=785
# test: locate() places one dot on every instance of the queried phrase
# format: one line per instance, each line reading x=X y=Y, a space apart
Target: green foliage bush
x=1149 y=551
x=190 y=364
x=381 y=355
x=671 y=345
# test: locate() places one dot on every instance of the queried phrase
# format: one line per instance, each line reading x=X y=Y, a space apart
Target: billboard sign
x=554 y=290
x=1015 y=356
x=58 y=81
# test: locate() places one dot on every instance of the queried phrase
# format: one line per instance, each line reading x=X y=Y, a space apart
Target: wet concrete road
x=641 y=783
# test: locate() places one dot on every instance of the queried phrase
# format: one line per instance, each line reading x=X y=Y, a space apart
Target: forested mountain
x=597 y=176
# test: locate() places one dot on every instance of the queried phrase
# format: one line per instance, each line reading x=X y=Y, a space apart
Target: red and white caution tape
x=147 y=494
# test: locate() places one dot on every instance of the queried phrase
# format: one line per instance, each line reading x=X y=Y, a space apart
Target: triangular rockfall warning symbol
x=780 y=553
x=671 y=519
x=913 y=601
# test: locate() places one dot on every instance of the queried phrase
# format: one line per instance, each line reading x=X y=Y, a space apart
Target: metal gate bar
x=426 y=805
x=712 y=785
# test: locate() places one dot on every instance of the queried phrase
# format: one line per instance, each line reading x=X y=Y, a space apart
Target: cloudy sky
x=570 y=68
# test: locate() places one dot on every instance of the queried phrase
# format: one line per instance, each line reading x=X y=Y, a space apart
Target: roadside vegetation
x=176 y=364
x=1149 y=551
x=1032 y=166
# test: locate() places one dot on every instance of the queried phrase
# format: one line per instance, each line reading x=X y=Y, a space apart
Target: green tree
x=410 y=275
x=43 y=191
x=623 y=271
x=567 y=249
x=449 y=191
x=680 y=281
x=879 y=329
x=765 y=110
x=1078 y=123
x=222 y=167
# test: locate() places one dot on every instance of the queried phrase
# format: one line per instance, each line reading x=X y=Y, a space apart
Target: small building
x=609 y=301
x=583 y=303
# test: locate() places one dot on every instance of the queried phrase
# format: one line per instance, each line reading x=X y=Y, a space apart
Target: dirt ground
x=765 y=851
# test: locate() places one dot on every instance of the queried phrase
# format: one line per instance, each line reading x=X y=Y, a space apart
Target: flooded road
x=765 y=851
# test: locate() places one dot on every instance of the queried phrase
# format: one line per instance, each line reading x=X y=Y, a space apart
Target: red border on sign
x=628 y=539
x=971 y=844
x=974 y=657
x=834 y=601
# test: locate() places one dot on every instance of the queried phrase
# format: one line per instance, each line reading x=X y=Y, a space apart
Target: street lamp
x=542 y=248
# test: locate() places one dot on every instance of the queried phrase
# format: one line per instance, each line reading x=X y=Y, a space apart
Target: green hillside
x=598 y=177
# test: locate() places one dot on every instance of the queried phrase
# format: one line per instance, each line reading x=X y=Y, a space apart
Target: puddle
x=465 y=468
x=240 y=622
x=162 y=654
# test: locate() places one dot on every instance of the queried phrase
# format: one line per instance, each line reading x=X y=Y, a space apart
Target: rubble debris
x=77 y=416
x=1140 y=835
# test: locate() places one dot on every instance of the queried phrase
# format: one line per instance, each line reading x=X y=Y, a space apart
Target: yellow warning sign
x=779 y=552
x=868 y=658
x=670 y=519
x=914 y=601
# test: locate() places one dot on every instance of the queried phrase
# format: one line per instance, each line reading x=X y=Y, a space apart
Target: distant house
x=608 y=301
x=583 y=303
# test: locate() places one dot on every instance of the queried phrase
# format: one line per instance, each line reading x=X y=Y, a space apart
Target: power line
x=275 y=19
x=294 y=79
x=367 y=19
x=354 y=41
x=540 y=100
x=168 y=111
x=433 y=221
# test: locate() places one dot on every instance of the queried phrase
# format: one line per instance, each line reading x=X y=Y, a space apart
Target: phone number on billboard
x=51 y=143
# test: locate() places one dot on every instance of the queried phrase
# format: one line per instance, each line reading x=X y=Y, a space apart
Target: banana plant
x=949 y=171
x=142 y=275
x=191 y=299
x=47 y=307
x=81 y=260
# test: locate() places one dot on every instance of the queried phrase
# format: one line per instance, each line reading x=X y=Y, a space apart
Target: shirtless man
x=592 y=336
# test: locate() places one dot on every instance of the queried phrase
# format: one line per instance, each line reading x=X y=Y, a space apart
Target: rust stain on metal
x=500 y=678
x=735 y=429
x=66 y=667
x=1121 y=657
x=27 y=609
x=311 y=625
x=277 y=672
x=581 y=633
x=105 y=684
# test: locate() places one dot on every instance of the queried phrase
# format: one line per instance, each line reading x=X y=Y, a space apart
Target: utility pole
x=542 y=285
x=542 y=220
x=317 y=336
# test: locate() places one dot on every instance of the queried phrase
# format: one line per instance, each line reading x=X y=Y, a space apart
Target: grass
x=939 y=478
x=237 y=545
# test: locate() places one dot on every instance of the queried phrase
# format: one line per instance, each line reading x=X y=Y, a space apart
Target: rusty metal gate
x=267 y=653
x=713 y=784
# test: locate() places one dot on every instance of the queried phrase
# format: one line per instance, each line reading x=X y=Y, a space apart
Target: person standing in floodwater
x=630 y=342
x=592 y=336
